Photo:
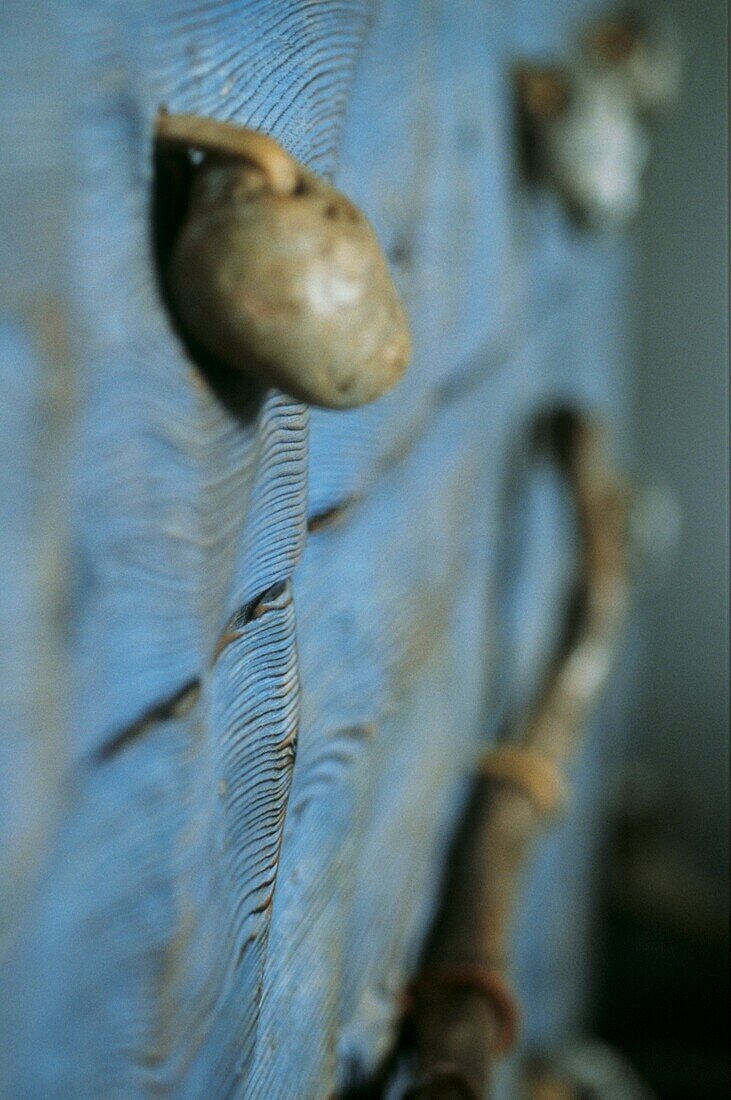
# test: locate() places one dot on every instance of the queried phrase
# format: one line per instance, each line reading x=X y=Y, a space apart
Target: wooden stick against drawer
x=463 y=1013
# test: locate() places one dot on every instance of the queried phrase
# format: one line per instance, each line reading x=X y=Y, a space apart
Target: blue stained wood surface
x=233 y=752
x=34 y=433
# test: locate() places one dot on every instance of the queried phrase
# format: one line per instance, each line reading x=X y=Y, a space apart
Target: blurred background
x=663 y=990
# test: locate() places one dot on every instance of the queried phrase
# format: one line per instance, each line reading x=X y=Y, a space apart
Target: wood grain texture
x=191 y=911
x=35 y=432
x=164 y=471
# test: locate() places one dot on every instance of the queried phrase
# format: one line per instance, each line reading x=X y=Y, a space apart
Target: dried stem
x=207 y=135
x=460 y=1027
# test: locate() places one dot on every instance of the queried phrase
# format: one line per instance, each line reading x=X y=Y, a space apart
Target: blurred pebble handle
x=275 y=274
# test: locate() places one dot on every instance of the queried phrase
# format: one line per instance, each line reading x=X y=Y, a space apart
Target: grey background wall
x=681 y=438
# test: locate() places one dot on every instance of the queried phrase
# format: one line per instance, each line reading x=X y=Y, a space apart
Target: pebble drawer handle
x=460 y=1027
x=275 y=274
x=585 y=124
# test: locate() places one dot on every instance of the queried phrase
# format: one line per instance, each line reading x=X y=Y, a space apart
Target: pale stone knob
x=276 y=274
x=587 y=141
x=585 y=124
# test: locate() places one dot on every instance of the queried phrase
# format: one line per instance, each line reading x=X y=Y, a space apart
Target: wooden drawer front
x=264 y=734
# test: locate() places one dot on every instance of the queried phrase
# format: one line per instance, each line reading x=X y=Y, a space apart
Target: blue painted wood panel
x=233 y=752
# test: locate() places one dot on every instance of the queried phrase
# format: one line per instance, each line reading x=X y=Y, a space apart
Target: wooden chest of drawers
x=219 y=860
